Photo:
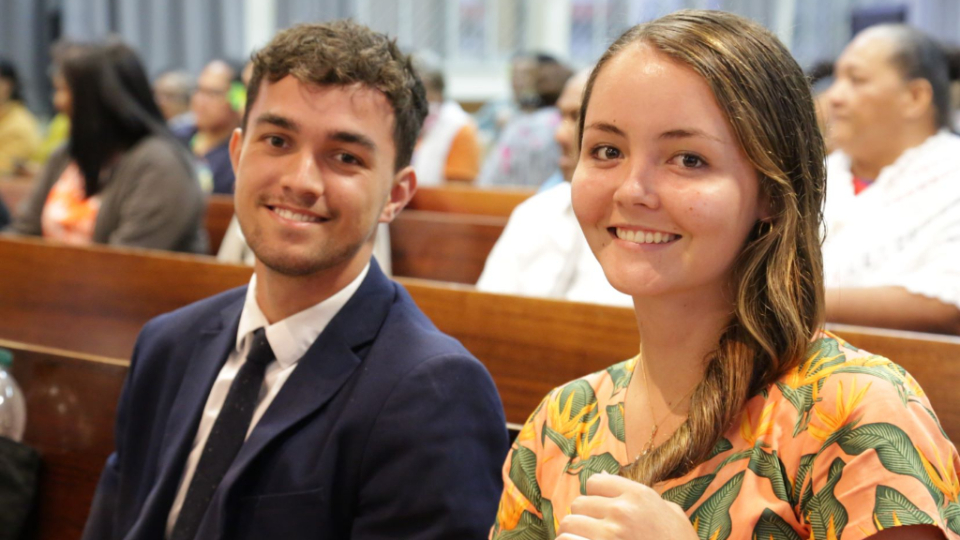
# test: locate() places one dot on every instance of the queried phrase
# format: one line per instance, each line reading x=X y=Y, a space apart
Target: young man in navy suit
x=318 y=402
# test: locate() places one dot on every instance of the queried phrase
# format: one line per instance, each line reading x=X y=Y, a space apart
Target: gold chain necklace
x=656 y=425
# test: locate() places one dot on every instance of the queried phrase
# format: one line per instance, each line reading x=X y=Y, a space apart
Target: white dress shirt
x=542 y=252
x=903 y=230
x=290 y=339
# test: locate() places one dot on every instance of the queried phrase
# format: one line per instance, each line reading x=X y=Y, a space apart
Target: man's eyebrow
x=607 y=127
x=279 y=121
x=686 y=133
x=350 y=137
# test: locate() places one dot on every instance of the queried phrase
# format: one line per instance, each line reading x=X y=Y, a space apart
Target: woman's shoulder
x=831 y=361
x=839 y=389
x=158 y=151
x=600 y=385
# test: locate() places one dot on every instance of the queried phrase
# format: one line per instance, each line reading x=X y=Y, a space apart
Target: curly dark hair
x=343 y=53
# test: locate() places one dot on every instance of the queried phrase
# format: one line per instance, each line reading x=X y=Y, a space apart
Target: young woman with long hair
x=700 y=189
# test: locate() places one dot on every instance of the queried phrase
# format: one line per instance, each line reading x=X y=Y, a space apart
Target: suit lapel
x=325 y=368
x=214 y=344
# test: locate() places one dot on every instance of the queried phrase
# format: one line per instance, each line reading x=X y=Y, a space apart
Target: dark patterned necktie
x=227 y=436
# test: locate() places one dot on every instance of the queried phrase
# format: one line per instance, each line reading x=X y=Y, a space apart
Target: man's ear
x=404 y=186
x=236 y=145
x=919 y=98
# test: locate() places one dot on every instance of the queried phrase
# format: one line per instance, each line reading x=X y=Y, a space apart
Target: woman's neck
x=676 y=335
x=868 y=165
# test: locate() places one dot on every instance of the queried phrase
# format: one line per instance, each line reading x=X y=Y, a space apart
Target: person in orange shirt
x=448 y=149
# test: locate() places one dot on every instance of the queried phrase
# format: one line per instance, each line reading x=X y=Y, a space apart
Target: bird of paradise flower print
x=791 y=467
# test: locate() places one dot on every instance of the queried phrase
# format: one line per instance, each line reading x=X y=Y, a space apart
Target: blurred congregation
x=122 y=123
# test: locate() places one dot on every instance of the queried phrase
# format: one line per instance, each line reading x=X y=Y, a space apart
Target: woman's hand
x=615 y=508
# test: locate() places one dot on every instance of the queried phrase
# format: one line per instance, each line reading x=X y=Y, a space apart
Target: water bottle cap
x=6 y=358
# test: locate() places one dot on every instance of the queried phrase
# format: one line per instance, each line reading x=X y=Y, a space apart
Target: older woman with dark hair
x=122 y=178
x=892 y=248
x=19 y=136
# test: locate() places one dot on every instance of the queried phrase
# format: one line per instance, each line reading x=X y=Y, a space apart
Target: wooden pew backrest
x=469 y=200
x=442 y=246
x=217 y=219
x=95 y=299
x=71 y=407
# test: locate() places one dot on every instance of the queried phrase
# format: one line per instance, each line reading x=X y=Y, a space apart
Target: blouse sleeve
x=521 y=513
x=879 y=456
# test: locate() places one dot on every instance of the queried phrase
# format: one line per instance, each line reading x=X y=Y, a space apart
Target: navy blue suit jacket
x=387 y=428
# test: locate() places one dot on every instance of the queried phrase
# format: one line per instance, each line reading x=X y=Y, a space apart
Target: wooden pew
x=217 y=219
x=469 y=200
x=95 y=300
x=529 y=345
x=442 y=246
x=71 y=407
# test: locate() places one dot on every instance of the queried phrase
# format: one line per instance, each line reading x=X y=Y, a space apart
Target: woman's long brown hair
x=778 y=277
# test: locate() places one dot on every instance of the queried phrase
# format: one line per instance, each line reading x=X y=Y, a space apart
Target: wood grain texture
x=217 y=219
x=469 y=200
x=96 y=299
x=71 y=406
x=442 y=246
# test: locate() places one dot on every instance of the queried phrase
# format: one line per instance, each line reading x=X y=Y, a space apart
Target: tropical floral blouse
x=845 y=446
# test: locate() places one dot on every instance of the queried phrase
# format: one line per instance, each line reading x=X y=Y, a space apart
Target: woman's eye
x=606 y=152
x=691 y=161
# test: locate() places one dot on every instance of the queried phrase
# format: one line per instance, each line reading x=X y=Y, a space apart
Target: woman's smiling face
x=663 y=191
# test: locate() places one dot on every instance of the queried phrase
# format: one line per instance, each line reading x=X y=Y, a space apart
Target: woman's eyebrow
x=607 y=127
x=687 y=133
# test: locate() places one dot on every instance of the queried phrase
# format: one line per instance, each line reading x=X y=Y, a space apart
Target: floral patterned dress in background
x=842 y=447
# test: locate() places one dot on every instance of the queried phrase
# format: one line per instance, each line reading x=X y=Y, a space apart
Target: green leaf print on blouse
x=773 y=527
x=802 y=386
x=573 y=420
x=826 y=516
x=712 y=519
x=898 y=454
x=770 y=467
x=523 y=474
x=615 y=418
x=687 y=494
x=892 y=509
x=621 y=373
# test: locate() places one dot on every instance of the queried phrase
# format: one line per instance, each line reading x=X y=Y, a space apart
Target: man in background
x=542 y=251
x=172 y=90
x=448 y=149
x=217 y=106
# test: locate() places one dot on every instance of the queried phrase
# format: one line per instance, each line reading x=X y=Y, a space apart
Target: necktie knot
x=260 y=351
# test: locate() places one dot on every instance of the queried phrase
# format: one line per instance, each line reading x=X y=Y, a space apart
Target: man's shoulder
x=193 y=317
x=412 y=334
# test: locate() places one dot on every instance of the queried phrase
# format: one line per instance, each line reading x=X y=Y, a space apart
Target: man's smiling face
x=315 y=175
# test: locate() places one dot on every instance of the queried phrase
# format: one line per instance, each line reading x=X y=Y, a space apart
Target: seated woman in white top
x=892 y=248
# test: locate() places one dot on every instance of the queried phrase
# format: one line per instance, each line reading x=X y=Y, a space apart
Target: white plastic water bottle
x=13 y=409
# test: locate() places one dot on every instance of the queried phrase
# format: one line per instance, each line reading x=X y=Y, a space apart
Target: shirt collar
x=290 y=338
